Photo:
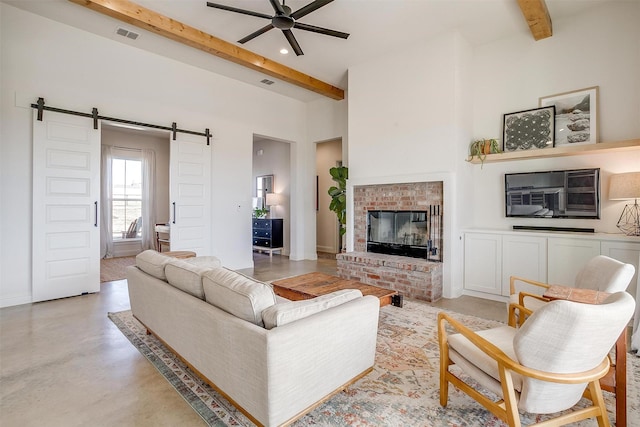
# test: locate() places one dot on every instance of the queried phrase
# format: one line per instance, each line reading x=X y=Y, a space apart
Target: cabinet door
x=524 y=256
x=483 y=262
x=567 y=256
x=625 y=252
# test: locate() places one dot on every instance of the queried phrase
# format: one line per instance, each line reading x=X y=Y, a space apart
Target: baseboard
x=11 y=301
x=544 y=228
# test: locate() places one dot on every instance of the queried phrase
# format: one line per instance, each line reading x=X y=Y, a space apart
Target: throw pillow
x=288 y=312
x=237 y=294
x=153 y=263
x=186 y=276
x=204 y=261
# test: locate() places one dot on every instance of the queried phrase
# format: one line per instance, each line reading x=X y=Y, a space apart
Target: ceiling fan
x=284 y=19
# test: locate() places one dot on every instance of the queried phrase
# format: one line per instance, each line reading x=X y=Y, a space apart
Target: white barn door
x=190 y=194
x=66 y=192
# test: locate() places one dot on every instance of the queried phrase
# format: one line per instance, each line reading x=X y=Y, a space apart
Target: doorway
x=328 y=155
x=271 y=188
x=127 y=145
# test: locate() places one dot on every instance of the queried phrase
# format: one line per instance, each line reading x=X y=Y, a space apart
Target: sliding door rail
x=94 y=115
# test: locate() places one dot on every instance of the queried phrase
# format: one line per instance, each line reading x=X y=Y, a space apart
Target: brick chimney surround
x=411 y=277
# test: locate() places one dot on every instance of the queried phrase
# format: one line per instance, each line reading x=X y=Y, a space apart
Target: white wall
x=409 y=120
x=75 y=70
x=599 y=48
x=415 y=111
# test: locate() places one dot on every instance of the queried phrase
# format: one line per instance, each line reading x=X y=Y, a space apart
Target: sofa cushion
x=186 y=276
x=237 y=294
x=152 y=263
x=287 y=312
x=204 y=261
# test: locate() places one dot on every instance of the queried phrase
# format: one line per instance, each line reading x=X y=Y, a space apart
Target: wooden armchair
x=600 y=273
x=544 y=367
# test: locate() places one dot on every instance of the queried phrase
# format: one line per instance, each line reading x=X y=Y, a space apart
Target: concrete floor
x=64 y=363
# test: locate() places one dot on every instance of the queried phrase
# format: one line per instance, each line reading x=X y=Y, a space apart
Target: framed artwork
x=576 y=116
x=530 y=129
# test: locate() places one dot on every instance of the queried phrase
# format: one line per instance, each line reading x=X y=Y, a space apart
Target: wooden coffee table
x=313 y=285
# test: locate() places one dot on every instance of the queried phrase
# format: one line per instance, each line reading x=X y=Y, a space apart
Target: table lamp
x=272 y=199
x=626 y=186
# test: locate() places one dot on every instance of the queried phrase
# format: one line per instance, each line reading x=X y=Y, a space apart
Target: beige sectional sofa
x=272 y=358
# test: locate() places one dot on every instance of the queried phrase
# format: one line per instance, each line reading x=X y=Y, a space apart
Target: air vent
x=126 y=33
x=267 y=82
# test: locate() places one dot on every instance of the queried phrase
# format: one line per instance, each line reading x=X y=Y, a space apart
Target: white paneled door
x=190 y=194
x=66 y=192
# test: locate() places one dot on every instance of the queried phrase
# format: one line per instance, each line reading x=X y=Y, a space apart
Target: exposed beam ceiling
x=147 y=19
x=537 y=16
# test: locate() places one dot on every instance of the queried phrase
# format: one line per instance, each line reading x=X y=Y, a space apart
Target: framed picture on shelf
x=576 y=116
x=529 y=130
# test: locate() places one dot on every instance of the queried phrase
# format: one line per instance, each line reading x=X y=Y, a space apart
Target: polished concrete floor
x=64 y=363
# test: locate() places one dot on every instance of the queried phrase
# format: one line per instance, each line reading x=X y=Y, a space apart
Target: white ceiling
x=377 y=28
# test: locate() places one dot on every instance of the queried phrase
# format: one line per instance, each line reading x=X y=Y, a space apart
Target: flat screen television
x=553 y=194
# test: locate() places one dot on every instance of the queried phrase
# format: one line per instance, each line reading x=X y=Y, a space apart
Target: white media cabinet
x=492 y=256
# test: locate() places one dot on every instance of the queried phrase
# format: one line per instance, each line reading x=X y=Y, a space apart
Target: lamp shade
x=624 y=186
x=273 y=199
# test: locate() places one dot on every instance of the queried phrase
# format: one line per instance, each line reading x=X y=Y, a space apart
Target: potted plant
x=338 y=204
x=260 y=212
x=481 y=147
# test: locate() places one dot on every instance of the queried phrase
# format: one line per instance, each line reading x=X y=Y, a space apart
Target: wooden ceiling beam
x=147 y=19
x=537 y=16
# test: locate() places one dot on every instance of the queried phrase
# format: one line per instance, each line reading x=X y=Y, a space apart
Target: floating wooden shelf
x=566 y=150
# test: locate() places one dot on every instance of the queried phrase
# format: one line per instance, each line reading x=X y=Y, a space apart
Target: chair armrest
x=523 y=294
x=505 y=362
x=523 y=311
x=513 y=279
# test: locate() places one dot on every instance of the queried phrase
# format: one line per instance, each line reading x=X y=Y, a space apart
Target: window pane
x=125 y=212
x=118 y=178
x=126 y=202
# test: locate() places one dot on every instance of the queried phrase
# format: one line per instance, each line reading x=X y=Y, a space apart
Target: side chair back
x=567 y=337
x=605 y=274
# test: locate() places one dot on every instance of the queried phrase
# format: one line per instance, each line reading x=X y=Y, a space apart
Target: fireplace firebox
x=412 y=233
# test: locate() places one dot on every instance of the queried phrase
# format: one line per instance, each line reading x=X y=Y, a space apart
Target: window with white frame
x=126 y=215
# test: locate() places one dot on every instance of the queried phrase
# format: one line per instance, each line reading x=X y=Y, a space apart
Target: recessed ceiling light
x=284 y=51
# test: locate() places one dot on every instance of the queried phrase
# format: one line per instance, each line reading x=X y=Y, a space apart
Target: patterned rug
x=402 y=390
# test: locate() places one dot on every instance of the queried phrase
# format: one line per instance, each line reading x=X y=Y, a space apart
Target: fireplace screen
x=406 y=233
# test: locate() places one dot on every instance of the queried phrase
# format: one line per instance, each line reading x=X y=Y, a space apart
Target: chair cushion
x=287 y=312
x=501 y=337
x=186 y=276
x=237 y=294
x=152 y=263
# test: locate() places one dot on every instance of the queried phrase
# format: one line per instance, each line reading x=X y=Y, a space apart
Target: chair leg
x=597 y=399
x=509 y=397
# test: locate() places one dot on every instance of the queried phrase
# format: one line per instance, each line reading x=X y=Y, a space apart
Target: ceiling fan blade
x=293 y=42
x=320 y=30
x=235 y=9
x=255 y=34
x=277 y=7
x=305 y=10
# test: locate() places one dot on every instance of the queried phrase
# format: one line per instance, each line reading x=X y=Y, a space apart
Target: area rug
x=402 y=390
x=112 y=269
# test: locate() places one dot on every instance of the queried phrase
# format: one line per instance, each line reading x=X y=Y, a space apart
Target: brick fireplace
x=412 y=277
